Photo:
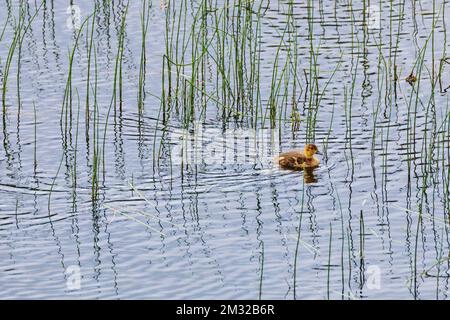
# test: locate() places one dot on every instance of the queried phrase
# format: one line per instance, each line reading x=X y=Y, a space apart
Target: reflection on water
x=308 y=175
x=172 y=220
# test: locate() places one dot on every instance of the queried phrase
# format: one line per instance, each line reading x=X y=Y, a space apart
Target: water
x=228 y=227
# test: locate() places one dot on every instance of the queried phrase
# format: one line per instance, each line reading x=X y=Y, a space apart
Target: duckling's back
x=293 y=160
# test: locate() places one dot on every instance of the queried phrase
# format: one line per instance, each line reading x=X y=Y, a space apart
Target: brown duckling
x=411 y=79
x=299 y=160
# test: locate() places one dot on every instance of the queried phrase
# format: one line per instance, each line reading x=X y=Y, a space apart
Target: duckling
x=411 y=79
x=298 y=160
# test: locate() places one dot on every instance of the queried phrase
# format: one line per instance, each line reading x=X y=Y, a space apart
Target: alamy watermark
x=373 y=275
x=73 y=22
x=215 y=146
x=73 y=281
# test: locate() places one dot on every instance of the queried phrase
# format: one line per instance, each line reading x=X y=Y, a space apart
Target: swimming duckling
x=411 y=79
x=298 y=160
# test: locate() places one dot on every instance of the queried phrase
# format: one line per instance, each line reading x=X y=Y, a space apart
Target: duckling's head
x=310 y=150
